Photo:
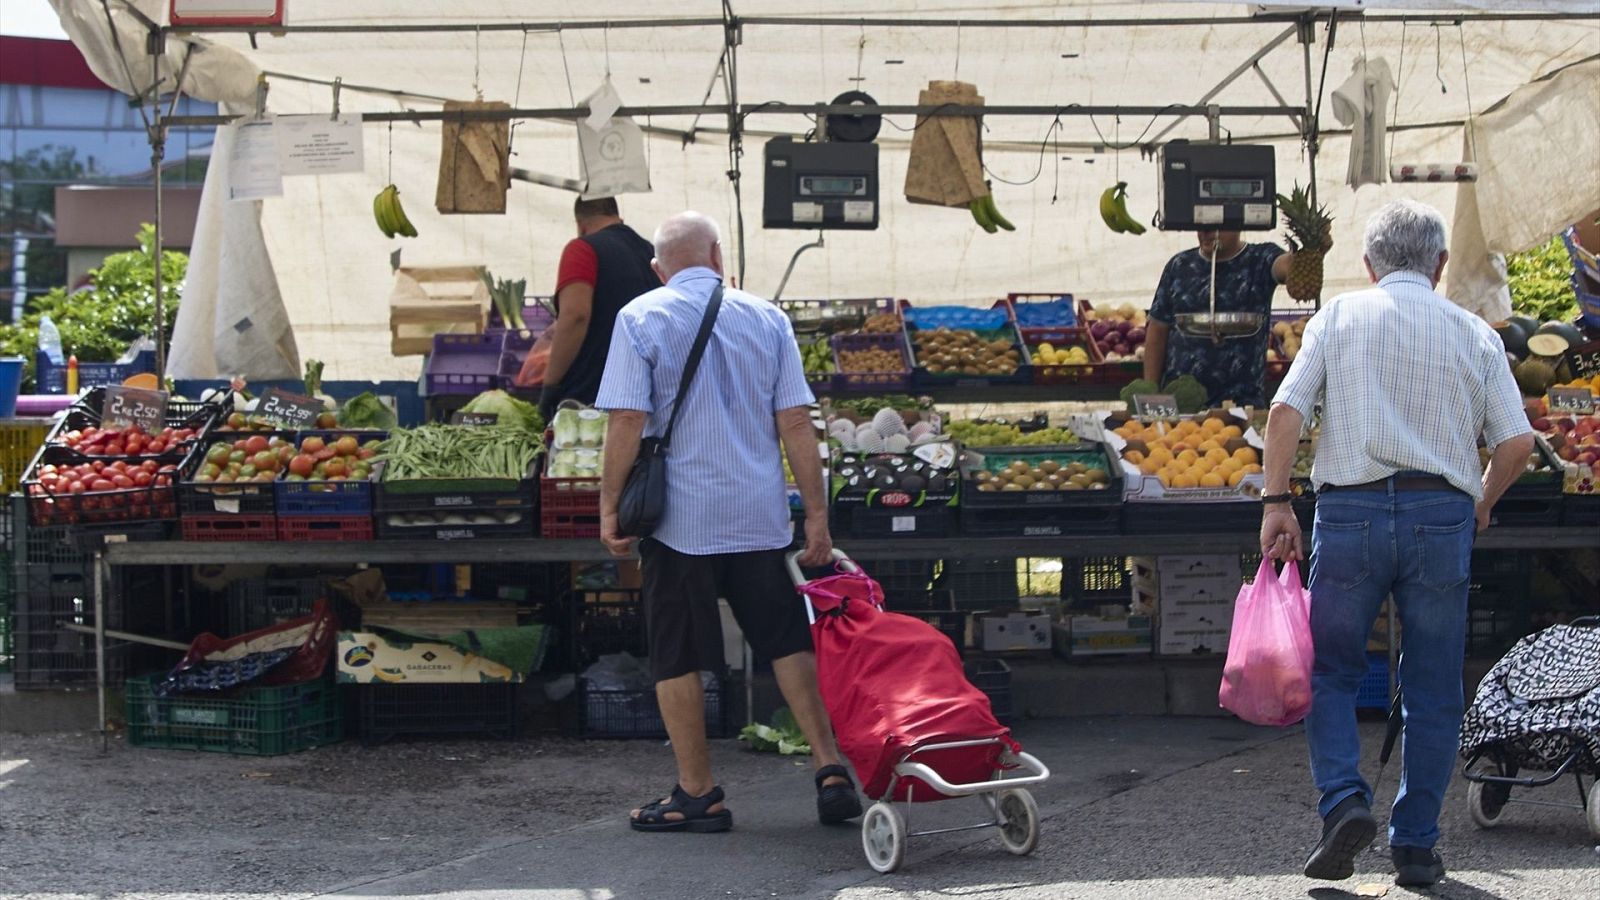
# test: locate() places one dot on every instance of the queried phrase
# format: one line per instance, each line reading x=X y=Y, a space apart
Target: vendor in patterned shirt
x=1247 y=277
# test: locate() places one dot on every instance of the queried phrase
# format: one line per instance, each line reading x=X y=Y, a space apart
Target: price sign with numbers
x=125 y=407
x=1570 y=400
x=285 y=408
x=474 y=418
x=1585 y=360
x=1155 y=406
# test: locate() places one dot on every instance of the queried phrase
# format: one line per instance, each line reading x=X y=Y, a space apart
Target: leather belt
x=1401 y=483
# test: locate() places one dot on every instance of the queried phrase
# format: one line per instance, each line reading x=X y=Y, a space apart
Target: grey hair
x=1405 y=236
x=686 y=240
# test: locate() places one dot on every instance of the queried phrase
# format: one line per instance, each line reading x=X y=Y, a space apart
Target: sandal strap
x=833 y=771
x=679 y=801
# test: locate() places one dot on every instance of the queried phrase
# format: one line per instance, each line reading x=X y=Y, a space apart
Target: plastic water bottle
x=50 y=341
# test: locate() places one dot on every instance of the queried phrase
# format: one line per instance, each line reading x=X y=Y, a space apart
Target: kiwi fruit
x=1049 y=467
x=1042 y=486
x=1025 y=481
x=1013 y=487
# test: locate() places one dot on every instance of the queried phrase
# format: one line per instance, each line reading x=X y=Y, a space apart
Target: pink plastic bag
x=1267 y=678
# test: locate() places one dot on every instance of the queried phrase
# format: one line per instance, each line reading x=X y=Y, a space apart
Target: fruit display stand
x=1035 y=491
x=817 y=321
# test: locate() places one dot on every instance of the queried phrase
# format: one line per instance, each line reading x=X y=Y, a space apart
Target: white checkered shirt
x=1407 y=381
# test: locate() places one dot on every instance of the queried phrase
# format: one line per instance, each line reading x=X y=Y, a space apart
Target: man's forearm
x=624 y=428
x=1506 y=463
x=570 y=332
x=1283 y=437
x=1155 y=351
x=800 y=445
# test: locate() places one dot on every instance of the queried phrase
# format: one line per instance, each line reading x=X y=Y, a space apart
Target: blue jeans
x=1417 y=547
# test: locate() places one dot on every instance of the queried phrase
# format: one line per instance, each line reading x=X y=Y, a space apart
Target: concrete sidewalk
x=1137 y=808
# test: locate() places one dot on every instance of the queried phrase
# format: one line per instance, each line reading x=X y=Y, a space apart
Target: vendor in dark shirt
x=1247 y=277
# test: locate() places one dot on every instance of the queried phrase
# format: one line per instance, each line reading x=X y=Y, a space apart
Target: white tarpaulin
x=332 y=264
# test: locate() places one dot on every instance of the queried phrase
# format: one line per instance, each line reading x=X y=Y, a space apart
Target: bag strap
x=693 y=363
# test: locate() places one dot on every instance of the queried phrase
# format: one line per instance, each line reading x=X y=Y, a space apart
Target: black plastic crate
x=388 y=711
x=1186 y=517
x=33 y=545
x=1528 y=505
x=447 y=494
x=980 y=584
x=1039 y=521
x=1580 y=510
x=1498 y=613
x=47 y=654
x=1095 y=579
x=605 y=622
x=636 y=714
x=904 y=522
x=255 y=603
x=993 y=677
x=400 y=525
x=905 y=582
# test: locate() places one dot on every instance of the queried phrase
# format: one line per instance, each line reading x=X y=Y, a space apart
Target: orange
x=1184 y=481
x=1245 y=455
x=1133 y=456
x=1161 y=453
x=1211 y=479
x=1209 y=446
x=1217 y=456
x=1149 y=467
x=1252 y=469
x=1188 y=457
x=1230 y=433
x=1235 y=478
x=1212 y=426
x=1165 y=478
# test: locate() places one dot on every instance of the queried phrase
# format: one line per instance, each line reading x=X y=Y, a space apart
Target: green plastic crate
x=262 y=721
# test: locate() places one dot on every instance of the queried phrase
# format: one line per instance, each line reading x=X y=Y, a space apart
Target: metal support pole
x=732 y=32
x=100 y=644
x=1308 y=130
x=158 y=145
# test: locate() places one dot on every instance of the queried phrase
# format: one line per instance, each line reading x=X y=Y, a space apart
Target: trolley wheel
x=1018 y=818
x=1487 y=801
x=1593 y=810
x=883 y=837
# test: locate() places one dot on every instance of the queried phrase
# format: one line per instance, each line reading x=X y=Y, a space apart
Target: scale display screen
x=1230 y=188
x=831 y=186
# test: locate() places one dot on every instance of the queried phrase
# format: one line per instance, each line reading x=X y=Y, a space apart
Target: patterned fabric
x=1407 y=381
x=1236 y=368
x=1539 y=702
x=725 y=487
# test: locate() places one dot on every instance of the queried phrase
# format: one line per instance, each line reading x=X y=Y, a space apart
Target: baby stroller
x=908 y=720
x=1538 y=710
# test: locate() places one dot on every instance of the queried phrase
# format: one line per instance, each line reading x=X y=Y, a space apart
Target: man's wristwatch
x=1275 y=499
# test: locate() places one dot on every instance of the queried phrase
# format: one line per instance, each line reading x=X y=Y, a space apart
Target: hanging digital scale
x=1229 y=187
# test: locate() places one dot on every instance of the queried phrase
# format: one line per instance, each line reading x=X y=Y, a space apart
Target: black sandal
x=836 y=803
x=696 y=818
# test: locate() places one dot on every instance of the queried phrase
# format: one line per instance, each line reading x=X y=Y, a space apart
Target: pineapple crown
x=1309 y=223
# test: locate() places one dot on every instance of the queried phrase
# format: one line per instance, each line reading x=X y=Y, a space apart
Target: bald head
x=684 y=241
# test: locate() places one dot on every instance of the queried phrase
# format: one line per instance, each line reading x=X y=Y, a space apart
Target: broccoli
x=1138 y=386
x=1189 y=392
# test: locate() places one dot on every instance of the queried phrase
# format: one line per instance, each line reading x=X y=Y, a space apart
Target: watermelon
x=1513 y=338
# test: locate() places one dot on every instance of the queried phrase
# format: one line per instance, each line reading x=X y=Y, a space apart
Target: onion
x=1099 y=330
x=1123 y=326
x=1135 y=335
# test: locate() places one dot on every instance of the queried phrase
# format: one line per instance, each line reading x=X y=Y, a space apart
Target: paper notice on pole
x=253 y=170
x=319 y=145
x=603 y=104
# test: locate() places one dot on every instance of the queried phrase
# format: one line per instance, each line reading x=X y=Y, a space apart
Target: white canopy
x=332 y=265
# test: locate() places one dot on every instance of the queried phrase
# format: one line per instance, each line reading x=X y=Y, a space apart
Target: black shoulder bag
x=644 y=496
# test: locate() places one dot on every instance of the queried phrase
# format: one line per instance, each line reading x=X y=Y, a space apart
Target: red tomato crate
x=325 y=528
x=213 y=529
x=569 y=507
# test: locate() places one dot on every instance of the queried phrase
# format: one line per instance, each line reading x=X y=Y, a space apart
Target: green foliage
x=1541 y=282
x=99 y=322
x=782 y=736
x=1137 y=386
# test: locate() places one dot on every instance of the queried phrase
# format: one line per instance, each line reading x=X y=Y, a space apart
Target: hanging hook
x=338 y=83
x=957 y=76
x=1438 y=59
x=605 y=35
x=261 y=95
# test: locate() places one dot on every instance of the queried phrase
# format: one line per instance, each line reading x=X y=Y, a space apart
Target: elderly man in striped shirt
x=726 y=523
x=1408 y=382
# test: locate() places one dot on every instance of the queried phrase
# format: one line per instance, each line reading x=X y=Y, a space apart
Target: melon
x=1534 y=377
x=1528 y=324
x=1513 y=338
x=1565 y=330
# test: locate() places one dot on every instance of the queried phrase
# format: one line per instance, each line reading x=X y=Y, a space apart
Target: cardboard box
x=1124 y=635
x=366 y=657
x=1195 y=621
x=1141 y=488
x=1012 y=631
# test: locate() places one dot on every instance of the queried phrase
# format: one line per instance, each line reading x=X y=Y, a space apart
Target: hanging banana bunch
x=390 y=215
x=1114 y=210
x=984 y=213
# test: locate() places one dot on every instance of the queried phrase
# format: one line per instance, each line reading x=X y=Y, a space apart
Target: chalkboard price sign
x=1585 y=360
x=1155 y=406
x=125 y=407
x=1570 y=400
x=291 y=410
x=474 y=418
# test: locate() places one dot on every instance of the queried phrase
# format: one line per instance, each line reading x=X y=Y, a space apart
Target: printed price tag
x=1585 y=360
x=474 y=418
x=1570 y=400
x=1155 y=406
x=125 y=407
x=293 y=410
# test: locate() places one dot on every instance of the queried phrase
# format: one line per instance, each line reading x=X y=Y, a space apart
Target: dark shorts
x=683 y=625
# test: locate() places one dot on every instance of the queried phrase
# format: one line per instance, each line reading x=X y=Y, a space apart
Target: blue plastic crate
x=1374 y=690
x=52 y=379
x=927 y=318
x=323 y=498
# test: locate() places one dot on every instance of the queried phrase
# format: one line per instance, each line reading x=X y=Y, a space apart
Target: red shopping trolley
x=908 y=720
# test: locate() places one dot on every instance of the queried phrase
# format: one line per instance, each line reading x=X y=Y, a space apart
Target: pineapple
x=1309 y=237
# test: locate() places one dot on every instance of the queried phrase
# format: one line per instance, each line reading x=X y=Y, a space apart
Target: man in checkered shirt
x=1408 y=383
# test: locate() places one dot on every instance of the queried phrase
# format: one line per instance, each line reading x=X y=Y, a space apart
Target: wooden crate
x=429 y=300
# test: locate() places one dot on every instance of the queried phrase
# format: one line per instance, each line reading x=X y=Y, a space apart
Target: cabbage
x=566 y=427
x=591 y=428
x=366 y=411
x=509 y=409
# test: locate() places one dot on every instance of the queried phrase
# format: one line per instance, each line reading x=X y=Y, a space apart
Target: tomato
x=302 y=465
x=255 y=444
x=156 y=447
x=366 y=453
x=122 y=481
x=163 y=480
x=246 y=472
x=135 y=446
x=218 y=453
x=98 y=466
x=236 y=421
x=237 y=456
x=101 y=484
x=116 y=448
x=150 y=466
x=143 y=479
x=335 y=468
x=325 y=454
x=77 y=487
x=266 y=477
x=263 y=459
x=348 y=445
x=224 y=478
x=313 y=445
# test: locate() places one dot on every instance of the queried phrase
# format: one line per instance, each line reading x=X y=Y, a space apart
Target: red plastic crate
x=569 y=507
x=1093 y=373
x=324 y=528
x=229 y=528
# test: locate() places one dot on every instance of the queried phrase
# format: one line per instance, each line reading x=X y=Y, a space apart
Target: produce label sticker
x=460 y=417
x=294 y=410
x=1155 y=406
x=125 y=407
x=903 y=523
x=1570 y=400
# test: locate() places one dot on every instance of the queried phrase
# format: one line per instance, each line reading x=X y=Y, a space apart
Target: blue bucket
x=10 y=384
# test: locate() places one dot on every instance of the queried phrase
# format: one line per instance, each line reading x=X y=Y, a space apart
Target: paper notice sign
x=319 y=145
x=253 y=171
x=603 y=104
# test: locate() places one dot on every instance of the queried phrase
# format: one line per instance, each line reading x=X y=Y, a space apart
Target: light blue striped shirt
x=725 y=487
x=1407 y=381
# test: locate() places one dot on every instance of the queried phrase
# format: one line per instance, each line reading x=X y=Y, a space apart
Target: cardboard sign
x=1155 y=406
x=474 y=418
x=1570 y=400
x=125 y=407
x=293 y=410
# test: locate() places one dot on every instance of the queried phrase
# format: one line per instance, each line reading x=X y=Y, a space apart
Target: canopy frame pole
x=1230 y=78
x=732 y=36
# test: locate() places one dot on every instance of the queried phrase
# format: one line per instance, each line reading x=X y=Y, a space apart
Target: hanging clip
x=338 y=83
x=261 y=95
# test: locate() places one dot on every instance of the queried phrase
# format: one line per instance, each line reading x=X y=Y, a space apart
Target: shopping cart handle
x=840 y=559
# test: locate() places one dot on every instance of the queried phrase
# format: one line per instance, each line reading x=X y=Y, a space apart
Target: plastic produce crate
x=885 y=382
x=464 y=363
x=262 y=602
x=388 y=711
x=211 y=500
x=179 y=412
x=834 y=315
x=1374 y=690
x=889 y=522
x=1042 y=521
x=993 y=677
x=393 y=526
x=1044 y=316
x=513 y=353
x=20 y=440
x=214 y=529
x=1088 y=580
x=52 y=379
x=1181 y=517
x=952 y=623
x=1580 y=510
x=46 y=655
x=325 y=528
x=324 y=498
x=261 y=721
x=981 y=584
x=603 y=622
x=635 y=713
x=536 y=317
x=956 y=317
x=569 y=507
x=1093 y=372
x=102 y=509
